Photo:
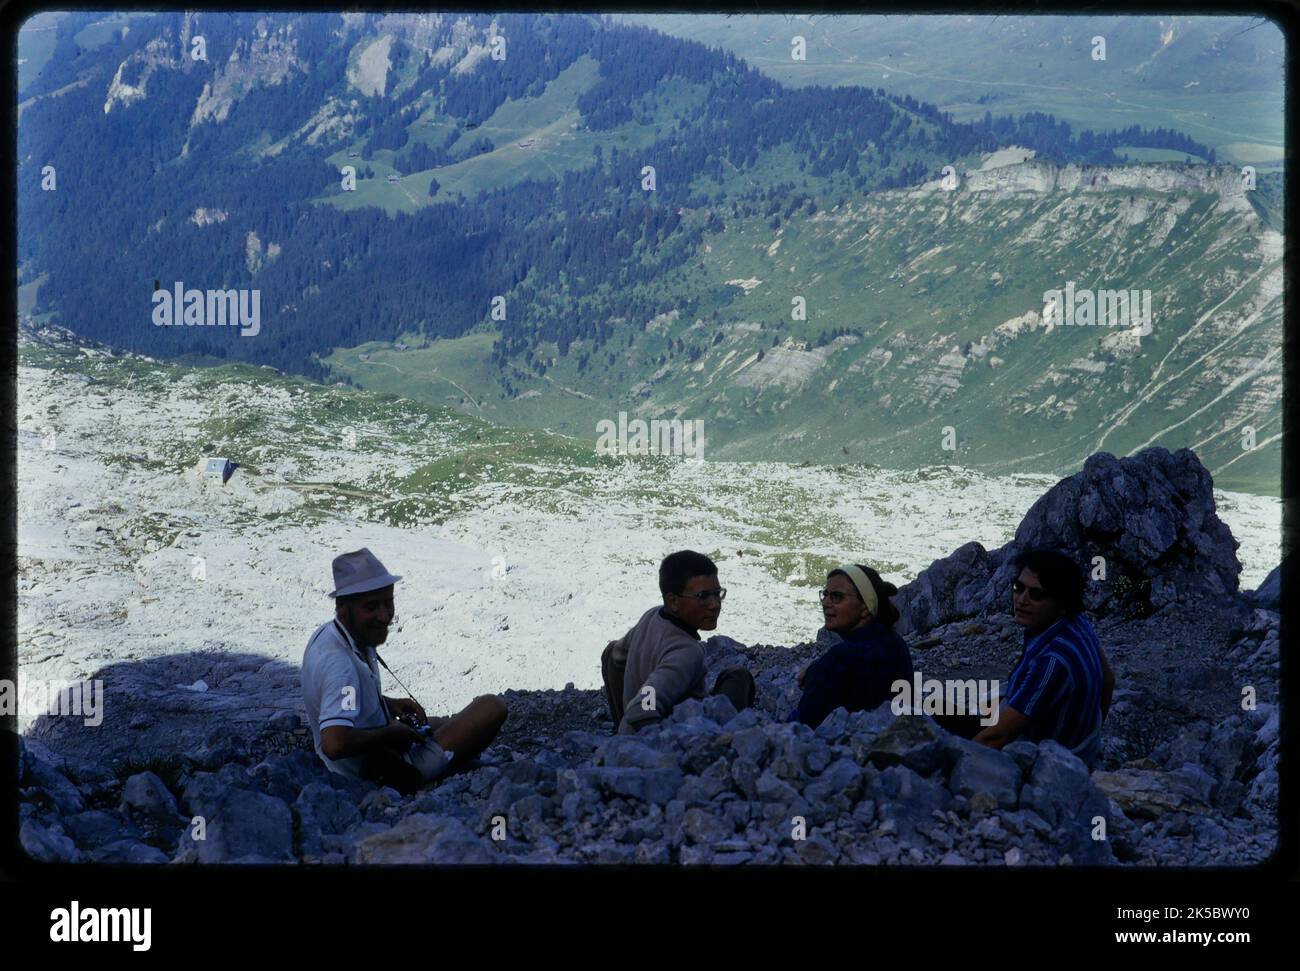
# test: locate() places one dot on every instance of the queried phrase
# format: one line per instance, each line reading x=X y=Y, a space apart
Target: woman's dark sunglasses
x=1036 y=594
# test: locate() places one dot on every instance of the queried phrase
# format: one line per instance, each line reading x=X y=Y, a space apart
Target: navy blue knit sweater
x=855 y=674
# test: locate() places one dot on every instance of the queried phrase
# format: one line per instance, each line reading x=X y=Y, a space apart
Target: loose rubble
x=707 y=787
x=1188 y=773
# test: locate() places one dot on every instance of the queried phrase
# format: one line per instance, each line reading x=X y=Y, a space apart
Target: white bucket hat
x=359 y=572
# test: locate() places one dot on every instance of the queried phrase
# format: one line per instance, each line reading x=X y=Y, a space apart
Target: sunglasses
x=1036 y=594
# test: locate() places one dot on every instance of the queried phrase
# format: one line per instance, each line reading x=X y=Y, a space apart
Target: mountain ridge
x=567 y=293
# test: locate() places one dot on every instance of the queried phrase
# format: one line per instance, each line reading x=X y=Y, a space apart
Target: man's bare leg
x=472 y=729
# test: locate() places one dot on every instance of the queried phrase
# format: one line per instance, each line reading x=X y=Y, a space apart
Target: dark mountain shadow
x=146 y=710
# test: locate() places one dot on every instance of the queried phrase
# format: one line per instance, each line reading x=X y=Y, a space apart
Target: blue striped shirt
x=1057 y=682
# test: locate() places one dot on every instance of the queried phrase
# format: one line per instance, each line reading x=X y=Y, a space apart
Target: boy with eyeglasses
x=660 y=662
x=1061 y=686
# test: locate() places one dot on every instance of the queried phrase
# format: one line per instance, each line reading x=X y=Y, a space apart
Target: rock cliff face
x=268 y=58
x=1037 y=176
x=1144 y=528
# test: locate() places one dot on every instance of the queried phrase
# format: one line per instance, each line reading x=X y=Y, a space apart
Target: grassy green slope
x=557 y=142
x=927 y=278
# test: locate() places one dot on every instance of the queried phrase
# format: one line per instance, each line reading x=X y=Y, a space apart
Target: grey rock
x=25 y=759
x=201 y=794
x=695 y=856
x=817 y=850
x=1269 y=725
x=842 y=778
x=734 y=858
x=243 y=827
x=751 y=744
x=687 y=710
x=863 y=724
x=990 y=830
x=375 y=803
x=1269 y=593
x=656 y=786
x=1150 y=516
x=628 y=751
x=834 y=726
x=701 y=826
x=128 y=851
x=1263 y=792
x=904 y=799
x=911 y=740
x=744 y=775
x=653 y=853
x=63 y=793
x=1200 y=784
x=864 y=812
x=47 y=845
x=745 y=719
x=1025 y=755
x=1061 y=783
x=145 y=798
x=718 y=708
x=1150 y=793
x=95 y=827
x=580 y=743
x=531 y=808
x=221 y=748
x=1026 y=821
x=738 y=813
x=479 y=783
x=708 y=785
x=1229 y=798
x=345 y=843
x=771 y=789
x=527 y=772
x=285 y=721
x=322 y=810
x=504 y=795
x=984 y=770
x=422 y=839
x=284 y=776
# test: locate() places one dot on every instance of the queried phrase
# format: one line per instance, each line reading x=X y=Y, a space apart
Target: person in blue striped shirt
x=1062 y=685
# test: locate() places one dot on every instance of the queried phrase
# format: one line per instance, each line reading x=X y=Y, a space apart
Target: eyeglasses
x=834 y=596
x=705 y=595
x=1036 y=594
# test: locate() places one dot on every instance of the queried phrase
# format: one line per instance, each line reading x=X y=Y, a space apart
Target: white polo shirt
x=341 y=686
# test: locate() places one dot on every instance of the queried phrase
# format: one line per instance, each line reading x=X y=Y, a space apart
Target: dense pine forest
x=573 y=253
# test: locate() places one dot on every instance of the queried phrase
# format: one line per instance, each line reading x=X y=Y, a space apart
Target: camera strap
x=347 y=637
x=395 y=677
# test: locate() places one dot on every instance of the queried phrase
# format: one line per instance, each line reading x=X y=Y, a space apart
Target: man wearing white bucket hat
x=357 y=730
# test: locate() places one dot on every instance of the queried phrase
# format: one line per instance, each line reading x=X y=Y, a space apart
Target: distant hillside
x=1218 y=79
x=924 y=311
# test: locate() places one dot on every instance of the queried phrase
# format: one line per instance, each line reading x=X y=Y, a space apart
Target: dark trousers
x=738 y=685
x=388 y=768
x=963 y=726
x=611 y=673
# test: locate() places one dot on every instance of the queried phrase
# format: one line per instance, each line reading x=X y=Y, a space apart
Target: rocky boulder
x=1150 y=518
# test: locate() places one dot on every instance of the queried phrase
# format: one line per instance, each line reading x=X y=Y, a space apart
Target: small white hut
x=218 y=469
